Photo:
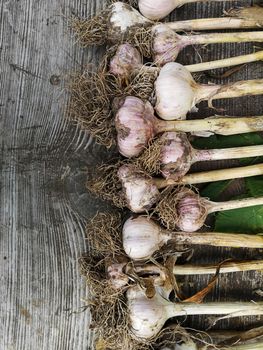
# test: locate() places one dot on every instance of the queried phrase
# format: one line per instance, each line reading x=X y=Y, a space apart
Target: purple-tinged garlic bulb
x=139 y=189
x=166 y=44
x=175 y=155
x=125 y=61
x=192 y=212
x=172 y=156
x=135 y=126
x=183 y=209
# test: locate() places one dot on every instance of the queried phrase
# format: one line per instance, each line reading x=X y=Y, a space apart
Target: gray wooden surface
x=43 y=157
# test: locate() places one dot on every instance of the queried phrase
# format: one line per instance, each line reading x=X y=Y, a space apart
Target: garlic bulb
x=140 y=190
x=125 y=61
x=176 y=155
x=134 y=123
x=191 y=213
x=166 y=44
x=142 y=237
x=123 y=18
x=177 y=93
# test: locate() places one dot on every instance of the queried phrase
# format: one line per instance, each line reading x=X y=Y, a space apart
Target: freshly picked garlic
x=172 y=155
x=143 y=237
x=177 y=93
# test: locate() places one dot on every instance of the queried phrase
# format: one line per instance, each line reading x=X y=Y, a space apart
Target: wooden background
x=43 y=159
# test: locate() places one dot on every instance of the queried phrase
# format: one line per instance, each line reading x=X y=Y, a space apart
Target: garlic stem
x=217 y=125
x=188 y=269
x=227 y=62
x=219 y=38
x=213 y=24
x=216 y=308
x=227 y=153
x=219 y=239
x=217 y=175
x=148 y=316
x=227 y=267
x=212 y=175
x=238 y=89
x=234 y=204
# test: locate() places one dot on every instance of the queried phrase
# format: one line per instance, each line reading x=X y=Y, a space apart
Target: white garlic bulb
x=175 y=92
x=142 y=237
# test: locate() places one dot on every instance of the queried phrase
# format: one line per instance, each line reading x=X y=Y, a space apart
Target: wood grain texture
x=43 y=160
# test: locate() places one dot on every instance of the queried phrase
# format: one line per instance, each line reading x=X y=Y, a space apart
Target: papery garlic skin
x=156 y=9
x=141 y=238
x=123 y=18
x=126 y=59
x=117 y=277
x=134 y=123
x=191 y=213
x=176 y=155
x=166 y=44
x=139 y=190
x=175 y=91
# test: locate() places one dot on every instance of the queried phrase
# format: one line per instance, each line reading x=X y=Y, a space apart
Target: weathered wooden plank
x=43 y=201
x=41 y=237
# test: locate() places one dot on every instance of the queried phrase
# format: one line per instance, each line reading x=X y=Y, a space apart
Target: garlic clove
x=126 y=59
x=141 y=238
x=139 y=189
x=156 y=9
x=176 y=155
x=175 y=92
x=166 y=44
x=135 y=126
